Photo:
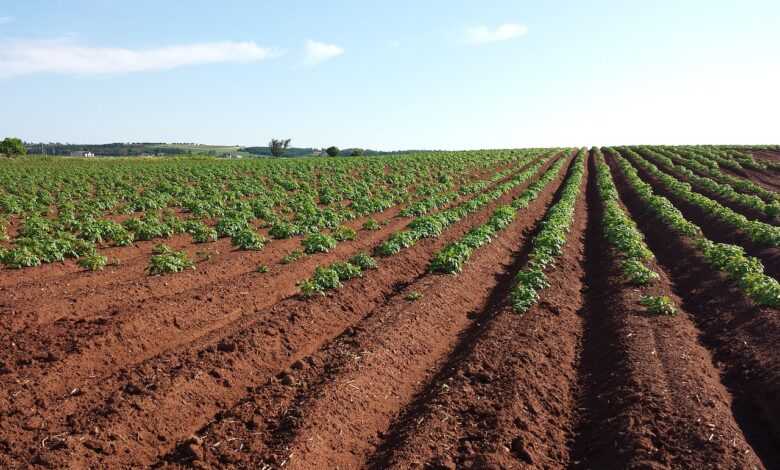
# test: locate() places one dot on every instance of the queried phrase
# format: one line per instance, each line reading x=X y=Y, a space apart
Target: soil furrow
x=740 y=336
x=139 y=413
x=95 y=295
x=651 y=396
x=339 y=400
x=505 y=399
x=132 y=335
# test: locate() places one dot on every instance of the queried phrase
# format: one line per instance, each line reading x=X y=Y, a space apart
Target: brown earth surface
x=224 y=367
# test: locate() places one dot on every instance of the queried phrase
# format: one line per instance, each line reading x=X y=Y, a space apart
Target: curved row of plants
x=549 y=242
x=439 y=200
x=711 y=169
x=747 y=272
x=744 y=159
x=709 y=185
x=431 y=226
x=452 y=257
x=729 y=158
x=759 y=232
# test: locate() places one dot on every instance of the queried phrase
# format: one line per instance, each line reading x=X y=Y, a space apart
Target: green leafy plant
x=93 y=262
x=201 y=233
x=248 y=239
x=324 y=278
x=282 y=230
x=658 y=305
x=231 y=226
x=344 y=233
x=318 y=243
x=346 y=270
x=161 y=248
x=169 y=262
x=363 y=261
x=371 y=224
x=412 y=296
x=20 y=258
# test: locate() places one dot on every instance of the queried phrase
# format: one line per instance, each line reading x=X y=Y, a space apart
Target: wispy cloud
x=68 y=57
x=504 y=32
x=318 y=52
x=6 y=19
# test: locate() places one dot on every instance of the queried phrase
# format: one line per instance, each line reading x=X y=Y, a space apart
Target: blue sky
x=449 y=74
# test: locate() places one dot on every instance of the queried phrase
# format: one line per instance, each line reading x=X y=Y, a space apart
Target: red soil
x=224 y=367
x=168 y=377
x=741 y=337
x=633 y=362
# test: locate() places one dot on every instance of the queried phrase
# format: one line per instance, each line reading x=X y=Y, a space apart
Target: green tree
x=278 y=146
x=332 y=151
x=357 y=152
x=11 y=147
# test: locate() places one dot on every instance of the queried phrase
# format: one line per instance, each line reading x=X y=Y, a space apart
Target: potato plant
x=548 y=243
x=759 y=232
x=747 y=272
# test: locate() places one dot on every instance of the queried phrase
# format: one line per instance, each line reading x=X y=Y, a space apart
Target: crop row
x=747 y=272
x=75 y=230
x=709 y=185
x=757 y=231
x=452 y=257
x=549 y=242
x=729 y=158
x=620 y=230
x=711 y=169
x=431 y=226
x=439 y=200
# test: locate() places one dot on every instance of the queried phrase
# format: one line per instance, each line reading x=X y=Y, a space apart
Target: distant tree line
x=12 y=147
x=288 y=152
x=275 y=148
x=113 y=149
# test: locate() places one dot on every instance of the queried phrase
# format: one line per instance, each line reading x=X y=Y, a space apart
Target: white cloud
x=318 y=52
x=6 y=19
x=504 y=32
x=67 y=57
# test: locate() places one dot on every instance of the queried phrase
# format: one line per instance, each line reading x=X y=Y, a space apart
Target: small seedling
x=658 y=305
x=294 y=256
x=371 y=224
x=262 y=269
x=344 y=233
x=412 y=296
